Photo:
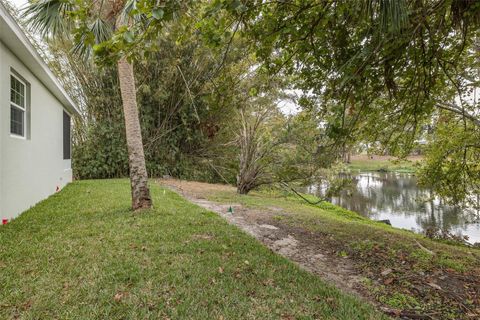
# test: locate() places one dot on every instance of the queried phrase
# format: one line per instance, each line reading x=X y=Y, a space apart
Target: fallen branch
x=425 y=249
x=285 y=185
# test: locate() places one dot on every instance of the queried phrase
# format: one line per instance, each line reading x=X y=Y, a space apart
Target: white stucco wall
x=2 y=58
x=30 y=169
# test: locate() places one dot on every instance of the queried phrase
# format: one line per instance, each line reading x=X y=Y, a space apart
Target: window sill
x=17 y=137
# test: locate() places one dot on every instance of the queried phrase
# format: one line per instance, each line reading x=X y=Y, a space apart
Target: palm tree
x=53 y=19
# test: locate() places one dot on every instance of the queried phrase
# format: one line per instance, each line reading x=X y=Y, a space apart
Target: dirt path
x=302 y=247
x=438 y=291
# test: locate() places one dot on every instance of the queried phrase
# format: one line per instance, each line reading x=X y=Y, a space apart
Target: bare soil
x=301 y=246
x=320 y=254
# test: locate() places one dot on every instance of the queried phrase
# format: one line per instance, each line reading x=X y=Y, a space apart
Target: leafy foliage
x=376 y=71
x=452 y=165
x=191 y=95
x=180 y=115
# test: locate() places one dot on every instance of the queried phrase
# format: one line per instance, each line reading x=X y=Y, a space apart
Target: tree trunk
x=136 y=157
x=244 y=186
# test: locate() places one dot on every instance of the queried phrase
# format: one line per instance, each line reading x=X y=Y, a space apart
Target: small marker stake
x=230 y=209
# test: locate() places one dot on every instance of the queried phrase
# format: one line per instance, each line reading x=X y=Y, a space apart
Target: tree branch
x=455 y=109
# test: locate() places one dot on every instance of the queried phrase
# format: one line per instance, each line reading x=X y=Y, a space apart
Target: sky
x=18 y=3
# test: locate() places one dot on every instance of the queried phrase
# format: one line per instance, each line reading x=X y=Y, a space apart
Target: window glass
x=66 y=136
x=16 y=121
x=17 y=92
x=17 y=107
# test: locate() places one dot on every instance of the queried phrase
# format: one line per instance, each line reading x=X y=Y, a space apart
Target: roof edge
x=35 y=64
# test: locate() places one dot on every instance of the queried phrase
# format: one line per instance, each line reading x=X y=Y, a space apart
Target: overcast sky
x=18 y=3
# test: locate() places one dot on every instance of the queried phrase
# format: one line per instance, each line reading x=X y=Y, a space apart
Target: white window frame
x=24 y=109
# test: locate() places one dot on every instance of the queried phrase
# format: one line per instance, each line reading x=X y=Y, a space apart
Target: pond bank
x=397 y=197
x=365 y=162
x=402 y=273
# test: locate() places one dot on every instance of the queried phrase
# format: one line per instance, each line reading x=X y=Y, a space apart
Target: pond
x=398 y=198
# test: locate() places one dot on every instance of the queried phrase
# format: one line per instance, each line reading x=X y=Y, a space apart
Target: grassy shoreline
x=82 y=254
x=383 y=163
x=403 y=270
x=310 y=216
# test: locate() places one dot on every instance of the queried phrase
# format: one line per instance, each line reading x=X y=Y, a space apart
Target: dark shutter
x=66 y=136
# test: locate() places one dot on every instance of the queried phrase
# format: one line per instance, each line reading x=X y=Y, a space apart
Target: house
x=35 y=115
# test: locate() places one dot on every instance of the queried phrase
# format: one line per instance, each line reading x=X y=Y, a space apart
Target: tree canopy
x=379 y=71
x=387 y=74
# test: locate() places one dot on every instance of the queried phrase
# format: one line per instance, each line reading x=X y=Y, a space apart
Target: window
x=18 y=109
x=66 y=136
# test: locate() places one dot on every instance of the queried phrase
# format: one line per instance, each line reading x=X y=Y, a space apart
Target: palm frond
x=47 y=17
x=129 y=6
x=101 y=32
x=392 y=15
x=395 y=15
x=128 y=16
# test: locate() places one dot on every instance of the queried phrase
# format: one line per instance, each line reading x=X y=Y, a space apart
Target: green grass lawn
x=401 y=166
x=414 y=261
x=355 y=233
x=82 y=254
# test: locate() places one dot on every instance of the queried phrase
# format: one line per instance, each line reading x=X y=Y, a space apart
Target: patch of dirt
x=348 y=270
x=195 y=189
x=295 y=244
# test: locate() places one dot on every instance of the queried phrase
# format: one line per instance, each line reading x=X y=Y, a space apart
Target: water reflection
x=397 y=197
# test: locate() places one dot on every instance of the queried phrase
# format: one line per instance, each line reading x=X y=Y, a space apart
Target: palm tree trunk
x=136 y=157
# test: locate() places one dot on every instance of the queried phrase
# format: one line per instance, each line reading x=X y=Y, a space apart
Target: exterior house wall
x=1 y=126
x=31 y=169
